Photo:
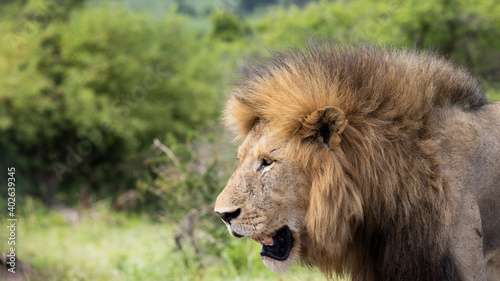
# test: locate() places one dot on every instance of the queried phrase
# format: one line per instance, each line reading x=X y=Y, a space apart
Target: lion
x=366 y=162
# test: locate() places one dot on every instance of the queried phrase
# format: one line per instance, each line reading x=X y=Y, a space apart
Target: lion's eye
x=266 y=162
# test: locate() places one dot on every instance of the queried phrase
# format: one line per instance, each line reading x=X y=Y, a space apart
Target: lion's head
x=254 y=204
x=337 y=146
x=268 y=198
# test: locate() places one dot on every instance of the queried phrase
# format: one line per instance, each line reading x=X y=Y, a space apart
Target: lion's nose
x=227 y=217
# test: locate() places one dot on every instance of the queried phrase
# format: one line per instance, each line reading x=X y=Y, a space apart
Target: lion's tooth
x=267 y=240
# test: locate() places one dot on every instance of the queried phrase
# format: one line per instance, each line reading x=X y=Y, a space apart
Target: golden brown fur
x=356 y=171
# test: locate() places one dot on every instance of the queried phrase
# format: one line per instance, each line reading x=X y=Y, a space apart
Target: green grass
x=106 y=246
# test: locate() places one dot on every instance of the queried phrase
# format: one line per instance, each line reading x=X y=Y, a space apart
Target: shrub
x=84 y=94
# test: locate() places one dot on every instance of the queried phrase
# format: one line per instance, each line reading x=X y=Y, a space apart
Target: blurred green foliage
x=465 y=31
x=185 y=176
x=226 y=26
x=83 y=94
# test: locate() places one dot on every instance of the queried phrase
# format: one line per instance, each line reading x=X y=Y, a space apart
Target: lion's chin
x=279 y=266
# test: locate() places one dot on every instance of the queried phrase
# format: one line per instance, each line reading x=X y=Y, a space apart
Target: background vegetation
x=109 y=112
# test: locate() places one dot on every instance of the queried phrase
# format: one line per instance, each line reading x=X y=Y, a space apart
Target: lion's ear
x=327 y=124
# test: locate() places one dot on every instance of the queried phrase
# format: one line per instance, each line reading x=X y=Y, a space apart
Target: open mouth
x=277 y=246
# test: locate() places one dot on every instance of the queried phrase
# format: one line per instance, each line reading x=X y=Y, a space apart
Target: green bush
x=186 y=176
x=226 y=26
x=467 y=32
x=83 y=95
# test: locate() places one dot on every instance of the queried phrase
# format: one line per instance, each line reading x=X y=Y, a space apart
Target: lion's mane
x=380 y=190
